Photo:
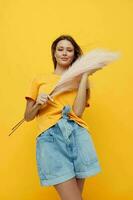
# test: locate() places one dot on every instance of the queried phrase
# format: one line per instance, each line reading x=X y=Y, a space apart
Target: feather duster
x=89 y=62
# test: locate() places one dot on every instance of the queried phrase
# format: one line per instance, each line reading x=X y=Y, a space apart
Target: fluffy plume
x=89 y=62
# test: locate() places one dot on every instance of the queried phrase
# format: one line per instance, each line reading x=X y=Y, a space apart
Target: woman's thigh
x=80 y=183
x=69 y=190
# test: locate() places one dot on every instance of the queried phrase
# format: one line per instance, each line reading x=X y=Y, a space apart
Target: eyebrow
x=62 y=46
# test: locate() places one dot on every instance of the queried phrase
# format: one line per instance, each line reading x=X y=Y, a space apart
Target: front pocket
x=80 y=130
x=50 y=161
x=46 y=136
x=86 y=149
x=44 y=154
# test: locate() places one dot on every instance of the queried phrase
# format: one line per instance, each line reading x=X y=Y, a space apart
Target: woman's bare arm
x=82 y=96
x=32 y=108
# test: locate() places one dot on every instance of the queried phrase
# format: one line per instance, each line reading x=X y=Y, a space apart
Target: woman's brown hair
x=77 y=50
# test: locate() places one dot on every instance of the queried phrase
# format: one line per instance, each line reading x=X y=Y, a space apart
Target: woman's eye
x=62 y=49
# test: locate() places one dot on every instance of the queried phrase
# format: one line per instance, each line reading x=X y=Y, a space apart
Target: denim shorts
x=65 y=150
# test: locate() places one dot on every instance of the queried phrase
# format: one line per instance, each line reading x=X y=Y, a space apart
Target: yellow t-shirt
x=48 y=116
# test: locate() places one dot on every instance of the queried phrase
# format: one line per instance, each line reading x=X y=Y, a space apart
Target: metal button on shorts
x=65 y=150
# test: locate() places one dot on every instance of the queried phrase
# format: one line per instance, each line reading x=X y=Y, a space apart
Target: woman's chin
x=64 y=64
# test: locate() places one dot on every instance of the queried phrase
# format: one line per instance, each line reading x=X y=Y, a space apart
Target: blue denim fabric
x=65 y=150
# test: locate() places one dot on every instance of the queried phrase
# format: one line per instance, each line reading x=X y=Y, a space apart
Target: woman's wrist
x=38 y=105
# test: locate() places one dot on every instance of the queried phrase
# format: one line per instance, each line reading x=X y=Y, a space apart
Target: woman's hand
x=42 y=99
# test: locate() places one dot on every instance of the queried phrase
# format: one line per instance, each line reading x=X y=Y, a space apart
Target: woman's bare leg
x=80 y=183
x=69 y=190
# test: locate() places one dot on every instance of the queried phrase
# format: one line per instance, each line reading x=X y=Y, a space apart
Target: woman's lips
x=64 y=58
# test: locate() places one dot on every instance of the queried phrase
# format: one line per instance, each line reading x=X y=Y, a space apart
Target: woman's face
x=64 y=53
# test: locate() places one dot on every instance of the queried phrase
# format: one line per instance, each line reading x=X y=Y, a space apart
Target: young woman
x=64 y=148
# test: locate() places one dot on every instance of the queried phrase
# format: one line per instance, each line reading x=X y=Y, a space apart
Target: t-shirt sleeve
x=32 y=90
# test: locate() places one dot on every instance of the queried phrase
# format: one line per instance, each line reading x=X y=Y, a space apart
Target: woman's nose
x=64 y=52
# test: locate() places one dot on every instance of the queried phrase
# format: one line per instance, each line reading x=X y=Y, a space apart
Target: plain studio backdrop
x=27 y=30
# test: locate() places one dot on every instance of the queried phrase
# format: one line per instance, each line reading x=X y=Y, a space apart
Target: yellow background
x=27 y=30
